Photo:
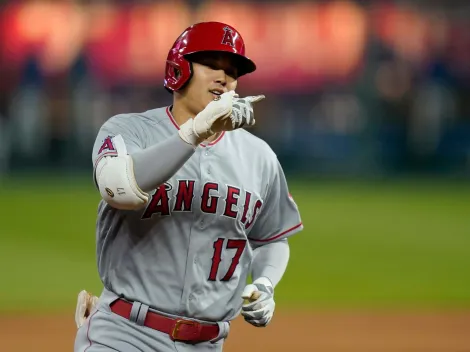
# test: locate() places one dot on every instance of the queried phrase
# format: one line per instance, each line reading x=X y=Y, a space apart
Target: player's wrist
x=204 y=125
x=263 y=280
x=189 y=135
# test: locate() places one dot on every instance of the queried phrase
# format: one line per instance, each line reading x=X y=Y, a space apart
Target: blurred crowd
x=353 y=87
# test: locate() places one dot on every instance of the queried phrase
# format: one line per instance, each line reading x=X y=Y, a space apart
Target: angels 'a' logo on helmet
x=228 y=36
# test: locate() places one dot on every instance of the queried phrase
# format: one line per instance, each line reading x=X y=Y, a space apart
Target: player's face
x=213 y=74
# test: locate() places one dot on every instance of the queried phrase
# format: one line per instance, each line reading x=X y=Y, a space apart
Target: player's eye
x=232 y=72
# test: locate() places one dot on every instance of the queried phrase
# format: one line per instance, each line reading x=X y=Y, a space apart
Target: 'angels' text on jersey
x=164 y=204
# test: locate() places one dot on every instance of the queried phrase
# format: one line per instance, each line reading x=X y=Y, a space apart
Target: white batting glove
x=227 y=113
x=209 y=121
x=259 y=305
x=242 y=111
x=85 y=304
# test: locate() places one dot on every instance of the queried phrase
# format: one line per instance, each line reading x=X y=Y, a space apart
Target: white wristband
x=187 y=133
x=263 y=281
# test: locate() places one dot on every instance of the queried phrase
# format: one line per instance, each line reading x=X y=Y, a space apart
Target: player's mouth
x=216 y=93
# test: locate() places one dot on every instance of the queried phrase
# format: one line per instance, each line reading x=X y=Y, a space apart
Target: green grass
x=47 y=248
x=373 y=245
x=403 y=244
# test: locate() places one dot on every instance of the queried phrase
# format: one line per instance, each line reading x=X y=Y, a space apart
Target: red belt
x=179 y=329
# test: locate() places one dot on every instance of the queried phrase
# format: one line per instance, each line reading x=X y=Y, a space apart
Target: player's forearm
x=271 y=261
x=156 y=164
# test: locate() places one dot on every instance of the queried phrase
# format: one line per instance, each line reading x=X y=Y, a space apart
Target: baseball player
x=191 y=206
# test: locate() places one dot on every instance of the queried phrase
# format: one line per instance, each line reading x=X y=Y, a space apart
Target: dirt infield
x=321 y=331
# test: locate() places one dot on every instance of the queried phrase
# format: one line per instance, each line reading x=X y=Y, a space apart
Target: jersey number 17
x=239 y=245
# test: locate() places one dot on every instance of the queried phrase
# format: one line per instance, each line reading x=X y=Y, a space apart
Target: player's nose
x=221 y=80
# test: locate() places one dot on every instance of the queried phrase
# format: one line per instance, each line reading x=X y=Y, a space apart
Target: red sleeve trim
x=103 y=155
x=277 y=236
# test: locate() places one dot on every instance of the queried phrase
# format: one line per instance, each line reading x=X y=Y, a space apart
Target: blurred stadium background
x=368 y=109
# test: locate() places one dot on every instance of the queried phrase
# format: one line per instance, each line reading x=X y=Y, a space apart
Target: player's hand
x=226 y=113
x=85 y=304
x=242 y=111
x=196 y=130
x=242 y=114
x=259 y=305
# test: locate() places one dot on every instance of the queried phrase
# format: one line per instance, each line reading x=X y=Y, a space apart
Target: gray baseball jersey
x=189 y=251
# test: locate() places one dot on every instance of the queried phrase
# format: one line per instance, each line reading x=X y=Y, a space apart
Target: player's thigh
x=105 y=331
x=200 y=347
x=96 y=335
x=99 y=348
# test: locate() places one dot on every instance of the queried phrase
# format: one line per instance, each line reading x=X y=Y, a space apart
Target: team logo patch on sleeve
x=107 y=146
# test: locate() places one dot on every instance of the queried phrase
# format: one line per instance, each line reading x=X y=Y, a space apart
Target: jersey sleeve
x=104 y=145
x=279 y=215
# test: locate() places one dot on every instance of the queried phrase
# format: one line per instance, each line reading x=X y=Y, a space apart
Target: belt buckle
x=177 y=327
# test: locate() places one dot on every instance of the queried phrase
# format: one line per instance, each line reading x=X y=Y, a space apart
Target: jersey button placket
x=205 y=170
x=198 y=225
x=207 y=153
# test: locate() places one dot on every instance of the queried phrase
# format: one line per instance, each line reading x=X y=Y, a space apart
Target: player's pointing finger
x=256 y=98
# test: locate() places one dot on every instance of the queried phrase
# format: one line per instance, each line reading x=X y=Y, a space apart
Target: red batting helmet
x=204 y=36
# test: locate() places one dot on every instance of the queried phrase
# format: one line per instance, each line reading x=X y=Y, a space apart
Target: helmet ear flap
x=191 y=71
x=176 y=73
